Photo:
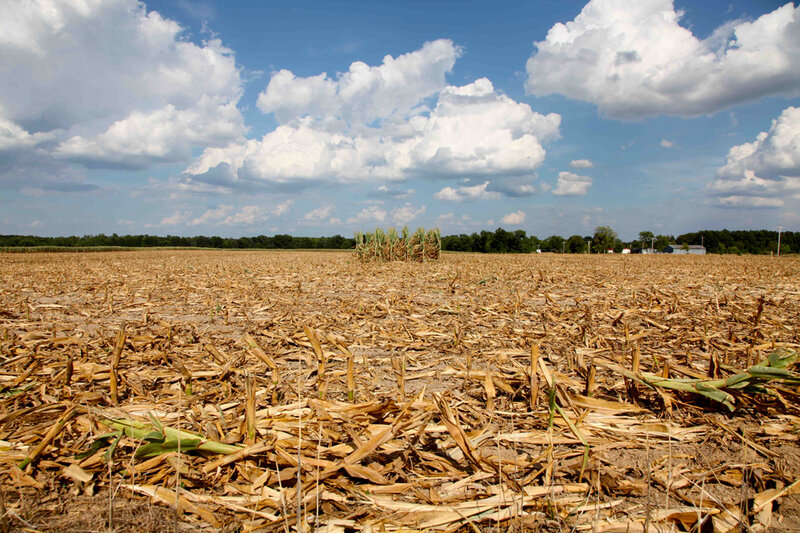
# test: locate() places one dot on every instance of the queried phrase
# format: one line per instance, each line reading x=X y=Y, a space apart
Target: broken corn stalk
x=162 y=439
x=752 y=380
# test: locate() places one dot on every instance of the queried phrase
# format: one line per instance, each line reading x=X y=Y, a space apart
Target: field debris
x=289 y=391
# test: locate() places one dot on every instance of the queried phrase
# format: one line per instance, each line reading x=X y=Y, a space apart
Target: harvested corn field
x=285 y=391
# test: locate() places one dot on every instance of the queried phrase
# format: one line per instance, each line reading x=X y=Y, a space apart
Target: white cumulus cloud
x=634 y=59
x=282 y=208
x=377 y=124
x=371 y=213
x=763 y=172
x=581 y=163
x=363 y=93
x=248 y=215
x=319 y=213
x=405 y=214
x=212 y=215
x=109 y=84
x=179 y=217
x=461 y=194
x=571 y=184
x=513 y=219
x=666 y=144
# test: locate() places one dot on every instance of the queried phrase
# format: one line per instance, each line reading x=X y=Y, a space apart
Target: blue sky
x=317 y=118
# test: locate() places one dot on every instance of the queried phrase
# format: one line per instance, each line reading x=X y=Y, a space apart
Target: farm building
x=693 y=249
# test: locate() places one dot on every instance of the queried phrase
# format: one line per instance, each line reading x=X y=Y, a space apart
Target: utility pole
x=780 y=228
x=652 y=244
x=589 y=247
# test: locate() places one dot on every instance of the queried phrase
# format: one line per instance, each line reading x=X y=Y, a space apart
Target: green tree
x=553 y=243
x=646 y=238
x=662 y=241
x=576 y=245
x=604 y=239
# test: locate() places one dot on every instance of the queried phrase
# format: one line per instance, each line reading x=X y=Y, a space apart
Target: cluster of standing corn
x=390 y=246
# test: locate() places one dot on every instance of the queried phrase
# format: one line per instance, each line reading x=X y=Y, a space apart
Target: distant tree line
x=498 y=241
x=605 y=238
x=283 y=242
x=743 y=242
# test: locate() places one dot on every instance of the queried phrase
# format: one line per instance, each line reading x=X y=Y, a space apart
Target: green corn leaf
x=110 y=451
x=157 y=448
x=100 y=442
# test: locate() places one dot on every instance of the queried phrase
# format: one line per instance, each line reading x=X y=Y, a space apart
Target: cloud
x=591 y=216
x=363 y=93
x=253 y=214
x=55 y=187
x=516 y=188
x=407 y=213
x=391 y=192
x=144 y=138
x=248 y=215
x=581 y=163
x=341 y=131
x=513 y=219
x=177 y=218
x=212 y=215
x=666 y=144
x=461 y=194
x=634 y=59
x=223 y=215
x=763 y=172
x=282 y=208
x=320 y=213
x=109 y=84
x=371 y=213
x=457 y=223
x=748 y=201
x=570 y=184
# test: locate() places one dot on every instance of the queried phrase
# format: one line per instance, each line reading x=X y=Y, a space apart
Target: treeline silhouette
x=745 y=241
x=715 y=241
x=498 y=241
x=282 y=242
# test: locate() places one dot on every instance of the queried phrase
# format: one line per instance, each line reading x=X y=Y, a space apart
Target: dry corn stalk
x=389 y=246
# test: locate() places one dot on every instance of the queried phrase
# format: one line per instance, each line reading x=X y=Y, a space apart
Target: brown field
x=396 y=397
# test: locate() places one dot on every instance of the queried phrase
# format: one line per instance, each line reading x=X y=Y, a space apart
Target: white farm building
x=692 y=249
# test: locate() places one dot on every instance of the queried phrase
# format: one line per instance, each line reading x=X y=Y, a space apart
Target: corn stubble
x=477 y=393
